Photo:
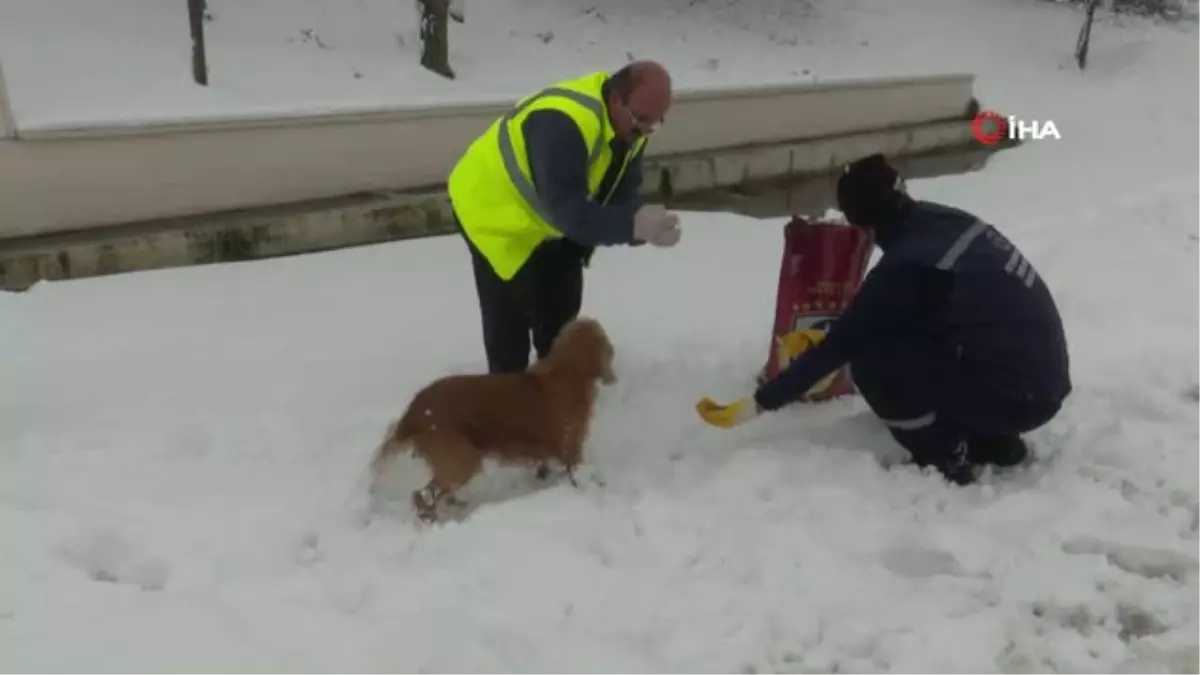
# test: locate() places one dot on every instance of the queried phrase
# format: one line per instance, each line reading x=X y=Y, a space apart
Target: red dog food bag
x=823 y=266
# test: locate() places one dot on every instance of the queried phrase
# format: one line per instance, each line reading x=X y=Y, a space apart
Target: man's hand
x=727 y=416
x=655 y=224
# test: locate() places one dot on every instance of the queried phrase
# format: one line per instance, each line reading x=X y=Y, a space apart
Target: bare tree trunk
x=196 y=11
x=458 y=10
x=435 y=40
x=1085 y=36
x=8 y=121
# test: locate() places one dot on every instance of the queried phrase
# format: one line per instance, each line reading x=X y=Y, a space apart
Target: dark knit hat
x=870 y=192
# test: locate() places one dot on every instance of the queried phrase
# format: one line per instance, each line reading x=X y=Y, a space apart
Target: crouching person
x=953 y=339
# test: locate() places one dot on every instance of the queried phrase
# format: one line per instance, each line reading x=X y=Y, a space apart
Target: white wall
x=88 y=177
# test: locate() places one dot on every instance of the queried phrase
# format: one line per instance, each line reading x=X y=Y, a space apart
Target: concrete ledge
x=73 y=178
x=762 y=181
x=814 y=192
x=694 y=172
x=223 y=237
x=910 y=99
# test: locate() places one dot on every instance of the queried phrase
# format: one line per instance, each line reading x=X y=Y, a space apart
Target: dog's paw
x=588 y=475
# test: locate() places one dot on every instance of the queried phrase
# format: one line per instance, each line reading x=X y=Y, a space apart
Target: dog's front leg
x=425 y=502
x=570 y=475
x=571 y=456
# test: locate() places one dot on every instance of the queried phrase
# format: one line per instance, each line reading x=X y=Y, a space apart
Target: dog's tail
x=397 y=440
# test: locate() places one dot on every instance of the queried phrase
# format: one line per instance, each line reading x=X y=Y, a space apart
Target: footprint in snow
x=110 y=558
x=917 y=562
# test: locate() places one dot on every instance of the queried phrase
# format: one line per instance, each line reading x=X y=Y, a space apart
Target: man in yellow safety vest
x=552 y=179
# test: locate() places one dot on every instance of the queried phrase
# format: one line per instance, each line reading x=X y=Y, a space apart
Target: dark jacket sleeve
x=558 y=164
x=891 y=298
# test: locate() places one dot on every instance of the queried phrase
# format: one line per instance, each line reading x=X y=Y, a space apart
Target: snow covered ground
x=182 y=451
x=183 y=455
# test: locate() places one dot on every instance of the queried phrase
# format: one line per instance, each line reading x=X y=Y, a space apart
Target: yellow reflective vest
x=491 y=187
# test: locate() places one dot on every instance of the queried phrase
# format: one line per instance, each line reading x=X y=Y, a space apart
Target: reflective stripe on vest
x=524 y=186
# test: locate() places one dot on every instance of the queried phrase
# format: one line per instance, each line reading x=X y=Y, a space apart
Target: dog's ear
x=542 y=367
x=603 y=353
x=583 y=350
x=607 y=375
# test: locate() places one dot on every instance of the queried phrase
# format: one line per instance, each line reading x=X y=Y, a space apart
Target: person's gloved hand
x=790 y=346
x=655 y=224
x=793 y=345
x=727 y=416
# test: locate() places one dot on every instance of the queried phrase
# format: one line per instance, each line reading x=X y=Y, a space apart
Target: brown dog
x=533 y=417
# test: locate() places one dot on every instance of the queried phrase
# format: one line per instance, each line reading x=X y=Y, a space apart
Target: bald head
x=639 y=97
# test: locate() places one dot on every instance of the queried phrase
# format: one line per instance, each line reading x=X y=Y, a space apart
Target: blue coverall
x=953 y=337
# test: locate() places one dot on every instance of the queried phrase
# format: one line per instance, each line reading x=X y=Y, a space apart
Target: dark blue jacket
x=558 y=162
x=947 y=275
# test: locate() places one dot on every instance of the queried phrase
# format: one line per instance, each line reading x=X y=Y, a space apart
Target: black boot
x=1001 y=451
x=955 y=466
x=959 y=468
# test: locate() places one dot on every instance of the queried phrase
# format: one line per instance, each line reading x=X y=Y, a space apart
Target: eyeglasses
x=643 y=125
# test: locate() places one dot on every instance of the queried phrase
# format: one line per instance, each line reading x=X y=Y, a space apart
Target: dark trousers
x=533 y=306
x=934 y=405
